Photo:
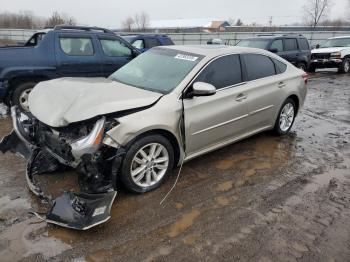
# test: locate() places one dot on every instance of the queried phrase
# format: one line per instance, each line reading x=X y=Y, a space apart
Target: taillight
x=305 y=78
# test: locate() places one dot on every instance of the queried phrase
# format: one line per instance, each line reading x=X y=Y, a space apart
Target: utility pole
x=270 y=21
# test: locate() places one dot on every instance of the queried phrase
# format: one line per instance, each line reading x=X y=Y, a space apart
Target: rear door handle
x=281 y=84
x=241 y=97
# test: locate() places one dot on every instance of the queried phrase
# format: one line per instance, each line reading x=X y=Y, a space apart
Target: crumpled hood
x=327 y=50
x=63 y=101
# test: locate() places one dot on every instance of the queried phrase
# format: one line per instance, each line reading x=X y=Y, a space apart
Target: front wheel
x=21 y=94
x=285 y=118
x=345 y=66
x=146 y=164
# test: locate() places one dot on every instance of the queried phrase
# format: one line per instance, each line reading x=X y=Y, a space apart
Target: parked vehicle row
x=293 y=48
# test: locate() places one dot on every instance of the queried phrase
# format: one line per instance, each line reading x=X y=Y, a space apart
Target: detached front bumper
x=74 y=210
x=326 y=63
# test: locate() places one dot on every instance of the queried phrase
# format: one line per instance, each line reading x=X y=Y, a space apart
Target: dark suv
x=293 y=48
x=63 y=51
x=145 y=42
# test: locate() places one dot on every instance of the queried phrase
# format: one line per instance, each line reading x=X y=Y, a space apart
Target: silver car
x=167 y=106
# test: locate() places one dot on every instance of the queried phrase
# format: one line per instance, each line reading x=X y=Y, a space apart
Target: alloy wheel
x=23 y=99
x=149 y=165
x=286 y=117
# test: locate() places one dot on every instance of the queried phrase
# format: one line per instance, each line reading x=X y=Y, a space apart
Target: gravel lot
x=263 y=199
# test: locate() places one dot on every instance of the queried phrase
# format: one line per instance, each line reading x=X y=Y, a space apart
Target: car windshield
x=337 y=42
x=255 y=43
x=158 y=70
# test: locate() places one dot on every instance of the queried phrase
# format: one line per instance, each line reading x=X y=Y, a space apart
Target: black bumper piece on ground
x=81 y=211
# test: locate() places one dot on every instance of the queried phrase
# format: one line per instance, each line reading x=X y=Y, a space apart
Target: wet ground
x=263 y=199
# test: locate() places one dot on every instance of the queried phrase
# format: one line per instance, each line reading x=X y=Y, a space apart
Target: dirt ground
x=263 y=199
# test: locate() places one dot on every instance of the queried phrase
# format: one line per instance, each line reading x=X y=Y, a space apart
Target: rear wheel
x=146 y=164
x=345 y=66
x=285 y=118
x=302 y=66
x=21 y=94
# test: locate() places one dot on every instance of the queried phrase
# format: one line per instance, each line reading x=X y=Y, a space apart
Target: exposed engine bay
x=77 y=146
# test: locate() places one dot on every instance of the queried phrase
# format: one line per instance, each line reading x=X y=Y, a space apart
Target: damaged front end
x=79 y=146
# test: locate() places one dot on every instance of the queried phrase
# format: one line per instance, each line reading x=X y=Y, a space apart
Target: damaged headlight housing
x=90 y=143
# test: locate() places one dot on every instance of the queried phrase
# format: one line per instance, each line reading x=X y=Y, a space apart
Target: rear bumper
x=326 y=63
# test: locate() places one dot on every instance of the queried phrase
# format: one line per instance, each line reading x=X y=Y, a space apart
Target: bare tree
x=144 y=21
x=24 y=20
x=315 y=11
x=60 y=19
x=141 y=21
x=128 y=24
x=239 y=22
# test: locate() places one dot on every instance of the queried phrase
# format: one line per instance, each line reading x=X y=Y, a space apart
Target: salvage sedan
x=167 y=106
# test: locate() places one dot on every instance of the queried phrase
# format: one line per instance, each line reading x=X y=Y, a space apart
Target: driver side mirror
x=317 y=46
x=203 y=89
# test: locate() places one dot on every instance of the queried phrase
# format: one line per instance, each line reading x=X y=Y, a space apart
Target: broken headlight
x=90 y=143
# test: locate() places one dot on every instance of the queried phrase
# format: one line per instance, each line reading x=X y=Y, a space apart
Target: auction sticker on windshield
x=186 y=57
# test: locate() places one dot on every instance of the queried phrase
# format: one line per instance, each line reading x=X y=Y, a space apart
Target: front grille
x=321 y=56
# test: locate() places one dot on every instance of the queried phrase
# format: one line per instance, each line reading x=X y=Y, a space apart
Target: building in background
x=188 y=25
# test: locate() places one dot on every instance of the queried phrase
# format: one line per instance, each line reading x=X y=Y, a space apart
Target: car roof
x=144 y=35
x=214 y=50
x=268 y=37
x=340 y=37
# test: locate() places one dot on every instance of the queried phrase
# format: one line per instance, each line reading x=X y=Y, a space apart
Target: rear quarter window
x=280 y=66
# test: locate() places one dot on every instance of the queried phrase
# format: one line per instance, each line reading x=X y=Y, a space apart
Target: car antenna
x=183 y=139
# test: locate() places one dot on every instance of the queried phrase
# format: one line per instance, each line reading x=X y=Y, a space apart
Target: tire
x=282 y=128
x=302 y=66
x=345 y=66
x=20 y=95
x=311 y=69
x=151 y=176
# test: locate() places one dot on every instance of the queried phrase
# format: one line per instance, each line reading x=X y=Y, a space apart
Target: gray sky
x=110 y=13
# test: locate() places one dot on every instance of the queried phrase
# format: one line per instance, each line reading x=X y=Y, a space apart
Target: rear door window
x=258 y=66
x=77 y=46
x=151 y=42
x=278 y=45
x=290 y=44
x=222 y=72
x=114 y=47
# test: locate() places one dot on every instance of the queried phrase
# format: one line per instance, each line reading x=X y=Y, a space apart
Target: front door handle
x=281 y=84
x=241 y=97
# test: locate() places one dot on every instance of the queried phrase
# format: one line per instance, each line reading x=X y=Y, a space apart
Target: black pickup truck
x=64 y=51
